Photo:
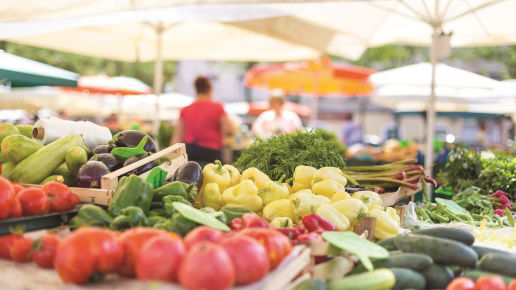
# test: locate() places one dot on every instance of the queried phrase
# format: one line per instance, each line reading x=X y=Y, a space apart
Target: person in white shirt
x=277 y=120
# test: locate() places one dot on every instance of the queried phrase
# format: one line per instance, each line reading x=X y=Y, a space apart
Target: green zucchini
x=43 y=162
x=388 y=244
x=455 y=234
x=312 y=284
x=25 y=130
x=65 y=173
x=475 y=274
x=437 y=276
x=416 y=262
x=481 y=251
x=442 y=251
x=7 y=129
x=504 y=264
x=2 y=158
x=374 y=280
x=7 y=169
x=75 y=157
x=407 y=279
x=15 y=148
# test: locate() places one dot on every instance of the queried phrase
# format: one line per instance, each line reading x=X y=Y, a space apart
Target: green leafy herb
x=126 y=152
x=280 y=155
x=157 y=177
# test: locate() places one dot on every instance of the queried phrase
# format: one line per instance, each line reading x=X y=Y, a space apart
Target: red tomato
x=34 y=201
x=6 y=197
x=5 y=244
x=86 y=252
x=206 y=266
x=45 y=250
x=278 y=246
x=461 y=283
x=249 y=258
x=16 y=209
x=17 y=188
x=250 y=220
x=202 y=233
x=133 y=240
x=21 y=250
x=490 y=283
x=512 y=285
x=61 y=197
x=159 y=259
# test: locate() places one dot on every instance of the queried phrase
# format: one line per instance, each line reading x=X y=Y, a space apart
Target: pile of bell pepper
x=285 y=203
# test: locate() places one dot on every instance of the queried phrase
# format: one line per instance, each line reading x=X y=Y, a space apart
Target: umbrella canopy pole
x=430 y=113
x=158 y=74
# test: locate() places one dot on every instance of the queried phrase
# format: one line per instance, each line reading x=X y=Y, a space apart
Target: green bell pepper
x=169 y=207
x=182 y=225
x=161 y=212
x=131 y=190
x=90 y=215
x=233 y=212
x=131 y=216
x=176 y=188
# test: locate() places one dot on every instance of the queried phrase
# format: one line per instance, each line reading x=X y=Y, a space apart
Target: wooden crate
x=176 y=153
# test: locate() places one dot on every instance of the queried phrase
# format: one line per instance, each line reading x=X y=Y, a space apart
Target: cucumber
x=57 y=178
x=375 y=280
x=504 y=264
x=442 y=251
x=7 y=169
x=43 y=162
x=455 y=234
x=437 y=276
x=475 y=274
x=416 y=262
x=63 y=171
x=312 y=284
x=25 y=130
x=407 y=279
x=388 y=244
x=7 y=129
x=75 y=157
x=15 y=148
x=481 y=251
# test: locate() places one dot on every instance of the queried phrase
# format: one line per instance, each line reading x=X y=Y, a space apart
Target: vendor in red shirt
x=202 y=125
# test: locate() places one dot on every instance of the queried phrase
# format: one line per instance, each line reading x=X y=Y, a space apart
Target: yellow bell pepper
x=352 y=208
x=282 y=222
x=370 y=198
x=329 y=173
x=327 y=188
x=278 y=208
x=259 y=178
x=341 y=195
x=212 y=196
x=213 y=173
x=305 y=203
x=339 y=220
x=303 y=177
x=245 y=194
x=386 y=227
x=393 y=214
x=274 y=190
x=234 y=174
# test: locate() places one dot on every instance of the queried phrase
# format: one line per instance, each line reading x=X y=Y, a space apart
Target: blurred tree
x=86 y=65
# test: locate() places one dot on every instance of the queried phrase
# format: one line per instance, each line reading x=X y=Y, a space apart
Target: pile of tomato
x=205 y=259
x=17 y=201
x=482 y=283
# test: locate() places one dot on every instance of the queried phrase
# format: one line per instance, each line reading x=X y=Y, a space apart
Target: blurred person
x=351 y=132
x=112 y=123
x=277 y=120
x=202 y=125
x=482 y=136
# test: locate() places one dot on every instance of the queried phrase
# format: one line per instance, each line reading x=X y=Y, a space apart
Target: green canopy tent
x=22 y=72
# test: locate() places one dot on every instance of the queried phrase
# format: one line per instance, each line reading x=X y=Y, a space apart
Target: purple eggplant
x=90 y=173
x=108 y=159
x=131 y=139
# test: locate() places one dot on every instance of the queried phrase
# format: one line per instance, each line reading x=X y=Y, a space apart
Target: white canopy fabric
x=411 y=83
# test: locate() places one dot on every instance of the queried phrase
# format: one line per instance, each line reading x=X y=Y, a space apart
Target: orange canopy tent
x=313 y=78
x=103 y=84
x=257 y=108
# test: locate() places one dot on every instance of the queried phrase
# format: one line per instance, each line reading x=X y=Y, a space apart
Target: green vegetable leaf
x=126 y=152
x=452 y=206
x=157 y=177
x=353 y=243
x=198 y=216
